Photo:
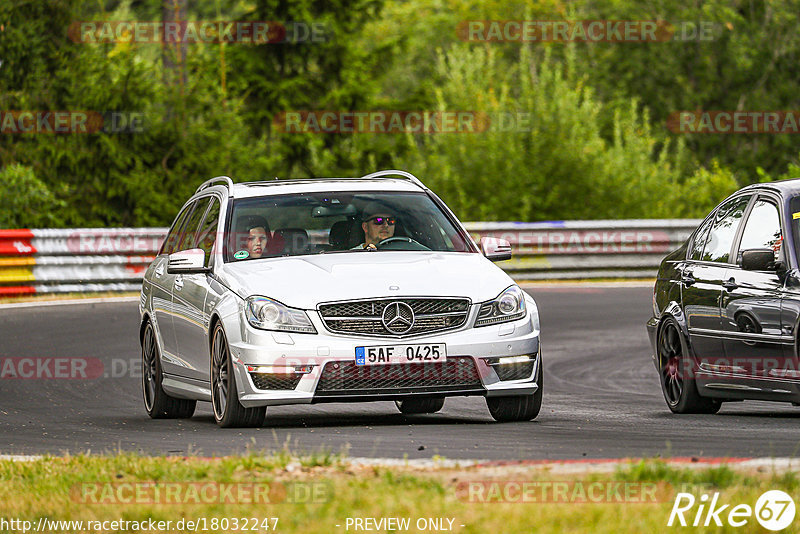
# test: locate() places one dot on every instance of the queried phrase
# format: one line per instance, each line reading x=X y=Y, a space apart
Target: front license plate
x=391 y=354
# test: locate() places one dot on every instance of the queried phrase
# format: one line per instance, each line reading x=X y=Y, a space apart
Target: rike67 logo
x=774 y=510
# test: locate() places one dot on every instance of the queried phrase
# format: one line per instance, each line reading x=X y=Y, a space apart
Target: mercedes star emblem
x=398 y=317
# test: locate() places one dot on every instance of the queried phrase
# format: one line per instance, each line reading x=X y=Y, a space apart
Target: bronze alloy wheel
x=157 y=402
x=228 y=411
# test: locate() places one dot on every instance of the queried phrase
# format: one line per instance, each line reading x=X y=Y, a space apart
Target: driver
x=254 y=231
x=378 y=223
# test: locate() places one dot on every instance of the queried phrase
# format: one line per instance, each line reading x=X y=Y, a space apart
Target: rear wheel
x=412 y=406
x=228 y=411
x=519 y=408
x=158 y=404
x=676 y=366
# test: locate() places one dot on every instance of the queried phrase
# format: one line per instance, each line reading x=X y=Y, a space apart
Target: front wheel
x=676 y=370
x=518 y=408
x=228 y=411
x=158 y=404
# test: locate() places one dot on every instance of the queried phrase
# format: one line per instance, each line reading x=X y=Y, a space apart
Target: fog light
x=506 y=360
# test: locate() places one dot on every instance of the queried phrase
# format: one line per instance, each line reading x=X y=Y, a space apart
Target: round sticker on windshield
x=242 y=254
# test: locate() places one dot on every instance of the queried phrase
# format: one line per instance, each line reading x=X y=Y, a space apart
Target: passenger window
x=700 y=240
x=207 y=235
x=192 y=225
x=173 y=237
x=763 y=228
x=726 y=223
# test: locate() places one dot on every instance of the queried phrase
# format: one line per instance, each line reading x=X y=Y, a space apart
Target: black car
x=726 y=304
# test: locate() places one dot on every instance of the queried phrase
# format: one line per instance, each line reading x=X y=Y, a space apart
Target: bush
x=25 y=202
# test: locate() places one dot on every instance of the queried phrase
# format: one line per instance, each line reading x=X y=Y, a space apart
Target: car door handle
x=179 y=283
x=687 y=279
x=730 y=284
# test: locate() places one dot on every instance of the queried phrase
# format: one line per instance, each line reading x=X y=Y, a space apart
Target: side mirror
x=187 y=262
x=758 y=259
x=495 y=249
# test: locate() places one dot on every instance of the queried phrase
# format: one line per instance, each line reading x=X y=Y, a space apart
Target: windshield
x=318 y=223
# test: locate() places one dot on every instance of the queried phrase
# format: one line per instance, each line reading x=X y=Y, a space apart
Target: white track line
x=40 y=303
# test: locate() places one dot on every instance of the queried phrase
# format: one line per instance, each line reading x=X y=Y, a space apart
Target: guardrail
x=97 y=259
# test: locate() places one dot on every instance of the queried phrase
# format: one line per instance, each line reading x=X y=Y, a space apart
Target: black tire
x=158 y=404
x=518 y=408
x=416 y=406
x=676 y=372
x=228 y=411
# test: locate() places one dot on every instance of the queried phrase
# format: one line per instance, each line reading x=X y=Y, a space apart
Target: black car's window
x=173 y=237
x=699 y=241
x=316 y=223
x=207 y=234
x=192 y=225
x=763 y=228
x=726 y=223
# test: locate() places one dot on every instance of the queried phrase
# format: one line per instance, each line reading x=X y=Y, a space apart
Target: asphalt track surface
x=601 y=398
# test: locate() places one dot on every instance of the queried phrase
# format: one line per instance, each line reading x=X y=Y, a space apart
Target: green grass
x=51 y=487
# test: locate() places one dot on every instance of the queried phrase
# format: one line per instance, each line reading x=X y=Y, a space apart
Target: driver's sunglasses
x=378 y=221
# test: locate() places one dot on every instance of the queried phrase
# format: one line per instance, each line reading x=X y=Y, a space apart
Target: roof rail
x=209 y=183
x=400 y=174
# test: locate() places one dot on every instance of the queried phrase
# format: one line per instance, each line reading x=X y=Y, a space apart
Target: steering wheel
x=391 y=243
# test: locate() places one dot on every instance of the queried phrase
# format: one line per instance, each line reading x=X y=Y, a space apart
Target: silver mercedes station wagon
x=332 y=290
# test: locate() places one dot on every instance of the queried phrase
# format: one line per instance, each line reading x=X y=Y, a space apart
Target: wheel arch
x=142 y=326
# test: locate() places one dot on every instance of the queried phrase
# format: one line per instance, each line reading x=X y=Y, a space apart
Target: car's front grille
x=366 y=316
x=341 y=377
x=275 y=381
x=514 y=371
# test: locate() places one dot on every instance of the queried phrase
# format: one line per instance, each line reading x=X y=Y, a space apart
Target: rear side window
x=726 y=223
x=173 y=237
x=700 y=240
x=192 y=225
x=763 y=228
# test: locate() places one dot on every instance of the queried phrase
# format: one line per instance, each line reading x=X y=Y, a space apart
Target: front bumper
x=288 y=351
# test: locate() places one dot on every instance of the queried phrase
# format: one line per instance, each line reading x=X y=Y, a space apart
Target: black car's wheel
x=677 y=382
x=228 y=411
x=519 y=408
x=158 y=404
x=412 y=406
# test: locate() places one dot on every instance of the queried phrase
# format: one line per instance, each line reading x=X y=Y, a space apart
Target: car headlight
x=268 y=314
x=508 y=306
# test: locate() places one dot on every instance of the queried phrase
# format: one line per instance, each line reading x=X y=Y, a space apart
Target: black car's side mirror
x=758 y=259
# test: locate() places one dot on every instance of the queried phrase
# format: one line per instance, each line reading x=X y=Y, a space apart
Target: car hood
x=305 y=281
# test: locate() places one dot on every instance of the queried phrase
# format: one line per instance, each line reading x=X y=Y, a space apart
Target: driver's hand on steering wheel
x=371 y=246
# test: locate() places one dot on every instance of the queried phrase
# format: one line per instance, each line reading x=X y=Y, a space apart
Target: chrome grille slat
x=364 y=317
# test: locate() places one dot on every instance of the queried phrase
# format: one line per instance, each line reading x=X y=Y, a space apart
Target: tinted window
x=700 y=240
x=173 y=237
x=315 y=223
x=208 y=231
x=763 y=228
x=192 y=225
x=726 y=222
